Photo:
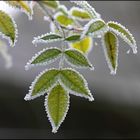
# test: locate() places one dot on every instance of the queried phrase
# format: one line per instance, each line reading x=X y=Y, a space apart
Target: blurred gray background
x=115 y=113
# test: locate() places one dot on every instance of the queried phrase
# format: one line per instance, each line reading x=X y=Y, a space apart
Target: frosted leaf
x=63 y=19
x=53 y=4
x=5 y=55
x=95 y=28
x=47 y=38
x=110 y=46
x=23 y=6
x=124 y=33
x=75 y=83
x=84 y=45
x=8 y=28
x=80 y=14
x=87 y=7
x=73 y=38
x=44 y=57
x=57 y=105
x=77 y=59
x=42 y=83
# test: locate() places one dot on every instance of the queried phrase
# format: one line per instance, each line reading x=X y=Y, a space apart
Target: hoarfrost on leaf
x=44 y=57
x=47 y=38
x=124 y=33
x=8 y=28
x=42 y=83
x=75 y=83
x=57 y=105
x=110 y=46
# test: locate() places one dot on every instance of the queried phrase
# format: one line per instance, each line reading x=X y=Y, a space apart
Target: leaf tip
x=91 y=98
x=27 y=97
x=54 y=130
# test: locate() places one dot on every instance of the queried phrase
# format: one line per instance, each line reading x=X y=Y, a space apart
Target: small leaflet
x=95 y=28
x=47 y=38
x=57 y=105
x=84 y=45
x=124 y=33
x=87 y=7
x=73 y=38
x=23 y=6
x=110 y=46
x=77 y=59
x=63 y=19
x=80 y=14
x=53 y=4
x=42 y=83
x=44 y=57
x=74 y=82
x=8 y=28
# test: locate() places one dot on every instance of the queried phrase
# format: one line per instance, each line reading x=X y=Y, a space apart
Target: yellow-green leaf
x=121 y=31
x=77 y=59
x=44 y=57
x=51 y=3
x=22 y=5
x=79 y=13
x=83 y=45
x=95 y=27
x=110 y=46
x=63 y=20
x=42 y=83
x=57 y=104
x=8 y=28
x=75 y=83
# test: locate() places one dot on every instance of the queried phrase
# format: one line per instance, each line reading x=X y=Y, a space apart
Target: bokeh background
x=115 y=113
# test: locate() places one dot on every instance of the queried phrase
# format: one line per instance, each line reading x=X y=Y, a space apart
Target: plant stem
x=60 y=29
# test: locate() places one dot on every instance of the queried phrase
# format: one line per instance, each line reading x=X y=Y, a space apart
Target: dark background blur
x=115 y=113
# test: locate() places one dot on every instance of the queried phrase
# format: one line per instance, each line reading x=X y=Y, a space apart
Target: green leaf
x=110 y=45
x=121 y=31
x=95 y=27
x=84 y=45
x=63 y=20
x=87 y=7
x=73 y=38
x=8 y=28
x=47 y=38
x=77 y=59
x=44 y=57
x=75 y=83
x=22 y=5
x=51 y=4
x=57 y=104
x=80 y=14
x=43 y=82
